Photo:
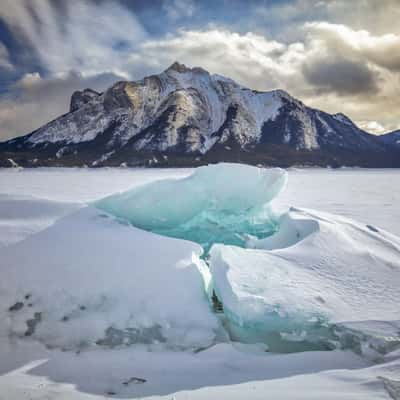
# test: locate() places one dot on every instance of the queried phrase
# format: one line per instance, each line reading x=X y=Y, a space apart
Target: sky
x=334 y=55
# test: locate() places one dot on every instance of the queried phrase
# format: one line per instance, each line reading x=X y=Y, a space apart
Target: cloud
x=383 y=50
x=29 y=80
x=177 y=9
x=312 y=66
x=79 y=35
x=5 y=62
x=376 y=17
x=342 y=76
x=372 y=127
x=250 y=58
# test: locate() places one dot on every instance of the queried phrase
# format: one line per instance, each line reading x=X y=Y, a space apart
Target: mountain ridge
x=187 y=116
x=391 y=138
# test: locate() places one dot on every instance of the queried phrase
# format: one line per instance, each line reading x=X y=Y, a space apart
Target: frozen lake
x=371 y=196
x=347 y=269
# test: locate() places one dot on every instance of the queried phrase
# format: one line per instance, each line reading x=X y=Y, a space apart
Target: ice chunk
x=92 y=279
x=223 y=203
x=372 y=339
x=317 y=271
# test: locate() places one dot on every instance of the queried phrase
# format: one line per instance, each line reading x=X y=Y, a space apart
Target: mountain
x=186 y=116
x=391 y=139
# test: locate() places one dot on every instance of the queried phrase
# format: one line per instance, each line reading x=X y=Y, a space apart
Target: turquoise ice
x=222 y=203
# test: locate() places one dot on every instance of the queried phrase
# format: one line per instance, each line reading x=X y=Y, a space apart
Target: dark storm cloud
x=341 y=76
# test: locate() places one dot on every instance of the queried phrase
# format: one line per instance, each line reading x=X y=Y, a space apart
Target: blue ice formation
x=294 y=282
x=221 y=203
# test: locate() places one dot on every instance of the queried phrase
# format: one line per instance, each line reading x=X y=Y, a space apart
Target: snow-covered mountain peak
x=178 y=67
x=343 y=118
x=188 y=112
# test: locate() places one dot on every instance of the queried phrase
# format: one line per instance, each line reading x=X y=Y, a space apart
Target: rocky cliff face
x=80 y=98
x=186 y=116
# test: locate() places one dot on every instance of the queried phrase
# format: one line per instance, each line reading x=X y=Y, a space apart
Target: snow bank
x=316 y=271
x=221 y=203
x=91 y=279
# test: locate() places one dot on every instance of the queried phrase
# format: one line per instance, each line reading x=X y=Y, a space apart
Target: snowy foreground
x=212 y=283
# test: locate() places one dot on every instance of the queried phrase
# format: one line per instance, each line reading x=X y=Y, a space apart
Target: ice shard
x=222 y=203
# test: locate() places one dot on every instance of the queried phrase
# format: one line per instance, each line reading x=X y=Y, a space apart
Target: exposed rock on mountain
x=79 y=98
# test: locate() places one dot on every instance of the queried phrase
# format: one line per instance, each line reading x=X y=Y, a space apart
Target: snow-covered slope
x=186 y=112
x=391 y=139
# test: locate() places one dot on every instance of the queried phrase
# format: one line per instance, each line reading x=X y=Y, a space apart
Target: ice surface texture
x=223 y=203
x=318 y=270
x=93 y=280
x=292 y=278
